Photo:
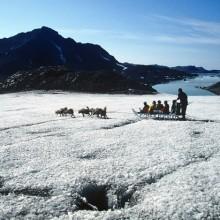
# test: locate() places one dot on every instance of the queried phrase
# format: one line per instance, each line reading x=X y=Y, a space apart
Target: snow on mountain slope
x=145 y=169
x=62 y=57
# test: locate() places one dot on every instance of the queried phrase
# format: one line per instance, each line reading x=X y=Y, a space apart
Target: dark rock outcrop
x=61 y=78
x=215 y=88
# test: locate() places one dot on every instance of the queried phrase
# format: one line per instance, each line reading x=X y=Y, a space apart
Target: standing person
x=183 y=102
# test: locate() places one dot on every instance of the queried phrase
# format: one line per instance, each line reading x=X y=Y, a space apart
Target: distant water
x=190 y=86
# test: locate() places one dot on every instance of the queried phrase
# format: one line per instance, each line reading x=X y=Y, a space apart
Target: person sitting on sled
x=153 y=107
x=145 y=108
x=178 y=108
x=174 y=107
x=159 y=106
x=166 y=108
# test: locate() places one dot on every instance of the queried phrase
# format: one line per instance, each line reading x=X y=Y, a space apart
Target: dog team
x=99 y=112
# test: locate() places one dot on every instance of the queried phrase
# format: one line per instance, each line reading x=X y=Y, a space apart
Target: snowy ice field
x=132 y=168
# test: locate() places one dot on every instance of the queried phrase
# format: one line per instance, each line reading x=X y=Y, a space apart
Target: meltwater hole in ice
x=93 y=197
x=103 y=197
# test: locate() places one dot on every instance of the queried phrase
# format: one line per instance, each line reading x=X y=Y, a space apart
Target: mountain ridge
x=195 y=69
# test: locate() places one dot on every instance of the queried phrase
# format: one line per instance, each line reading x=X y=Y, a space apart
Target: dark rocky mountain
x=61 y=78
x=45 y=47
x=194 y=69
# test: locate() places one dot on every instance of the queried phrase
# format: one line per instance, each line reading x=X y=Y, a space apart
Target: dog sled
x=158 y=115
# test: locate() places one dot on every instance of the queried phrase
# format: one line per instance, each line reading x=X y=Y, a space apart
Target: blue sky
x=166 y=32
